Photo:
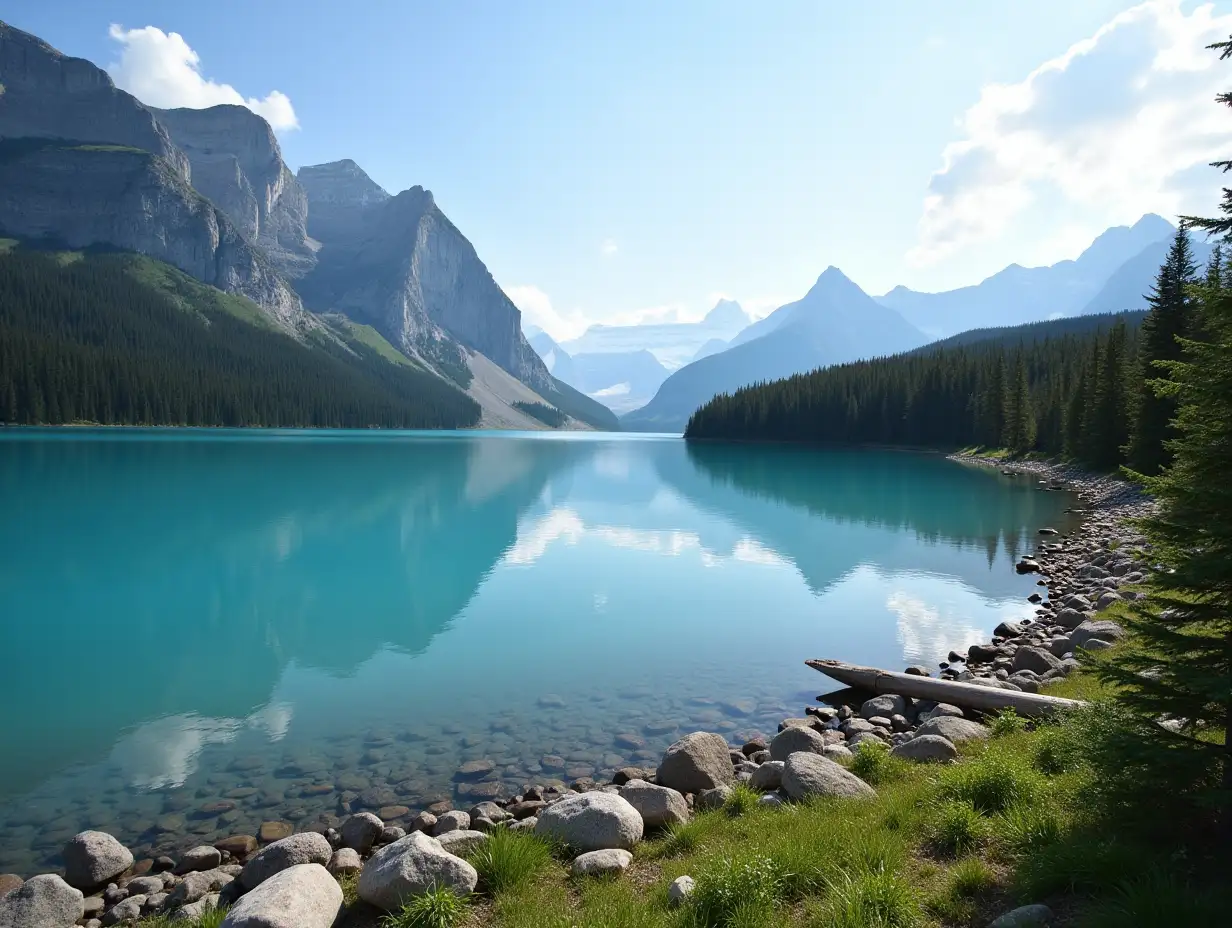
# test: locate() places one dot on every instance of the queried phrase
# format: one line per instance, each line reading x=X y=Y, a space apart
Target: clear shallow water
x=184 y=614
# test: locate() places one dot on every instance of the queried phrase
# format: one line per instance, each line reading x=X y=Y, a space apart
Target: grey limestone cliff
x=237 y=163
x=399 y=264
x=78 y=196
x=52 y=96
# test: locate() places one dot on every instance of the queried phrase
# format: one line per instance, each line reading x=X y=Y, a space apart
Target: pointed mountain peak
x=832 y=280
x=1154 y=223
x=340 y=181
x=727 y=313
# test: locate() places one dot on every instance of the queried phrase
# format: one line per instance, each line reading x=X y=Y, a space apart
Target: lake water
x=204 y=630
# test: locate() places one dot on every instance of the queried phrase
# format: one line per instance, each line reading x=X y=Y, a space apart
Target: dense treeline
x=91 y=340
x=544 y=413
x=1082 y=390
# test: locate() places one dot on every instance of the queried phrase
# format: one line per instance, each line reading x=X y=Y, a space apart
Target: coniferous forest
x=88 y=338
x=1082 y=388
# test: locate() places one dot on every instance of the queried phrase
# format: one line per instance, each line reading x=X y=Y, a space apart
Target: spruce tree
x=1179 y=668
x=1168 y=319
x=1019 y=417
x=1110 y=421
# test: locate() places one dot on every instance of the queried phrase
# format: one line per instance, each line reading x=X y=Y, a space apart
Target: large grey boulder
x=455 y=820
x=657 y=805
x=93 y=858
x=601 y=863
x=462 y=841
x=712 y=798
x=400 y=871
x=885 y=705
x=791 y=740
x=306 y=848
x=44 y=901
x=768 y=776
x=199 y=884
x=592 y=822
x=359 y=832
x=696 y=762
x=1035 y=659
x=1107 y=630
x=1027 y=916
x=806 y=775
x=926 y=748
x=202 y=857
x=953 y=729
x=1071 y=618
x=302 y=896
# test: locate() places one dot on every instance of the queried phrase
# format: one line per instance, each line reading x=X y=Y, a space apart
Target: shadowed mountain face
x=834 y=322
x=1028 y=294
x=290 y=545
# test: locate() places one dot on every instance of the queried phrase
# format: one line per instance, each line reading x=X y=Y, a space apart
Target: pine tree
x=1110 y=420
x=1168 y=319
x=1019 y=417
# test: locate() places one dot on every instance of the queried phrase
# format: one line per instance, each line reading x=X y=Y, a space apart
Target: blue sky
x=634 y=161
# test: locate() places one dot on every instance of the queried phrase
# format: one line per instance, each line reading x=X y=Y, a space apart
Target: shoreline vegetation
x=863 y=813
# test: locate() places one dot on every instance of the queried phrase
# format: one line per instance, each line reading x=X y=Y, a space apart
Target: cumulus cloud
x=162 y=70
x=1121 y=124
x=537 y=309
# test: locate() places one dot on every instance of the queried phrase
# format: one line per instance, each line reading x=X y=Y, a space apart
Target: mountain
x=236 y=162
x=620 y=380
x=1018 y=294
x=674 y=344
x=1128 y=285
x=834 y=322
x=711 y=346
x=398 y=264
x=84 y=164
x=85 y=167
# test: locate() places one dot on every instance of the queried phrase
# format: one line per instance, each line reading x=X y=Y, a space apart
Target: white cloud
x=1121 y=124
x=537 y=308
x=162 y=70
x=609 y=247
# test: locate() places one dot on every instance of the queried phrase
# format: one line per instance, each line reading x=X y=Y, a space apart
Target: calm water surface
x=205 y=630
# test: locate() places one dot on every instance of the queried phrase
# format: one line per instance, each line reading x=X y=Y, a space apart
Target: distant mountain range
x=837 y=322
x=621 y=380
x=84 y=165
x=674 y=344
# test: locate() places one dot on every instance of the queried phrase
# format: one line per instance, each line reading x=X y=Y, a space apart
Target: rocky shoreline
x=279 y=874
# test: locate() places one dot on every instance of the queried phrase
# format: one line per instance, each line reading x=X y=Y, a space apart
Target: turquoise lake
x=205 y=630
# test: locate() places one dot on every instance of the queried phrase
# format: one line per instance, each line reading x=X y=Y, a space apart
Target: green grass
x=874 y=765
x=993 y=780
x=510 y=859
x=211 y=919
x=873 y=899
x=1007 y=722
x=367 y=335
x=958 y=827
x=437 y=908
x=742 y=801
x=737 y=892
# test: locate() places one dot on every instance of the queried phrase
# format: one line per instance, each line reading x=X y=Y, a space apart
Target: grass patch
x=437 y=908
x=1007 y=722
x=873 y=899
x=992 y=781
x=1160 y=901
x=684 y=837
x=510 y=859
x=737 y=892
x=958 y=827
x=1026 y=827
x=874 y=764
x=743 y=800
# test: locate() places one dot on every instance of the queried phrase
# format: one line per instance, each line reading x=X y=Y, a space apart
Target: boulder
x=462 y=841
x=940 y=709
x=837 y=752
x=806 y=775
x=696 y=762
x=1027 y=916
x=792 y=740
x=926 y=748
x=145 y=886
x=768 y=776
x=199 y=884
x=1108 y=631
x=94 y=857
x=952 y=728
x=411 y=867
x=302 y=896
x=1071 y=618
x=305 y=848
x=451 y=821
x=126 y=911
x=657 y=805
x=680 y=889
x=8 y=883
x=424 y=821
x=199 y=858
x=592 y=821
x=345 y=860
x=194 y=911
x=1106 y=599
x=712 y=798
x=44 y=901
x=237 y=845
x=491 y=811
x=601 y=863
x=1035 y=659
x=359 y=832
x=1096 y=644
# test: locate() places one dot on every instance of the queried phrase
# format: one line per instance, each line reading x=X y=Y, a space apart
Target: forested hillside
x=122 y=339
x=1073 y=387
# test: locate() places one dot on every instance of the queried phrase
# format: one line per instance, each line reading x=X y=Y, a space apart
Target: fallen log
x=963 y=695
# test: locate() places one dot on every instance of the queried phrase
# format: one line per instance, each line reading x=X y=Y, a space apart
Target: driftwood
x=963 y=695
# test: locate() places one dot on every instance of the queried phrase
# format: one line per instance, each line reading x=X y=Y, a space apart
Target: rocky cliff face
x=52 y=96
x=87 y=195
x=398 y=264
x=237 y=162
x=340 y=193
